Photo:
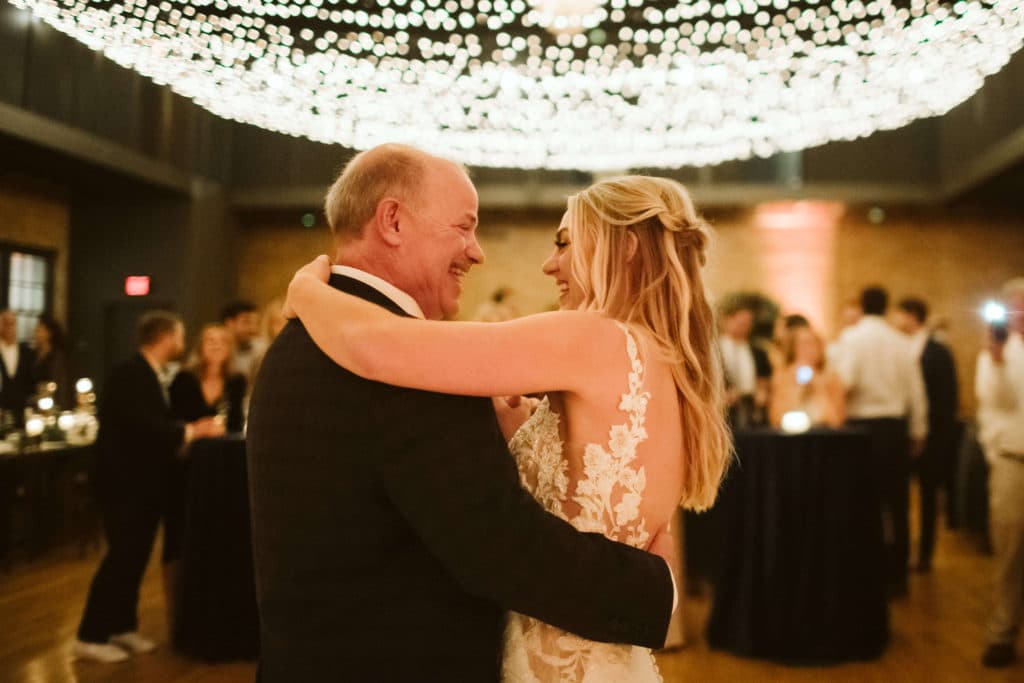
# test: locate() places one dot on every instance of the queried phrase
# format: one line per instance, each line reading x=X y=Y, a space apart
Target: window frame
x=49 y=255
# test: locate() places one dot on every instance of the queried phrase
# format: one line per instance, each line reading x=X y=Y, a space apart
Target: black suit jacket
x=391 y=533
x=16 y=389
x=940 y=383
x=138 y=438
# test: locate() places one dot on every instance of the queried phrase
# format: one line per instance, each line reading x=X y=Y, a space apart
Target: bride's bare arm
x=540 y=353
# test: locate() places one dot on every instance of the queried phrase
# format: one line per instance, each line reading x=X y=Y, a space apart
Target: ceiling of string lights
x=563 y=84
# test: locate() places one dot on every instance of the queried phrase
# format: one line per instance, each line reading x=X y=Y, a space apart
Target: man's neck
x=379 y=268
x=154 y=358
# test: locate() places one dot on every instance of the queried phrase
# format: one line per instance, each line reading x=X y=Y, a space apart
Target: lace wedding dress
x=607 y=497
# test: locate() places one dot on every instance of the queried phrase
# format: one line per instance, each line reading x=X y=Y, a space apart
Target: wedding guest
x=806 y=384
x=273 y=319
x=783 y=329
x=15 y=368
x=885 y=397
x=936 y=465
x=849 y=316
x=51 y=361
x=999 y=385
x=747 y=368
x=205 y=387
x=242 y=319
x=138 y=443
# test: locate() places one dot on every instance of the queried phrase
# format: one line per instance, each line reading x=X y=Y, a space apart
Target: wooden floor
x=938 y=633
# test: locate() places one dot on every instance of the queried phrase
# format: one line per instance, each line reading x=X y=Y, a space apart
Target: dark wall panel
x=996 y=111
x=904 y=155
x=14 y=25
x=50 y=73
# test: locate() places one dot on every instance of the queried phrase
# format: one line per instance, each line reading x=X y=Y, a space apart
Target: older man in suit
x=390 y=530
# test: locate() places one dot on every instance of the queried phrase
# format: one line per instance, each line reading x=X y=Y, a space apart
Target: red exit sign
x=136 y=285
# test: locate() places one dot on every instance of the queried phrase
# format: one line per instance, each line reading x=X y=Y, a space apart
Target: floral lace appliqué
x=608 y=495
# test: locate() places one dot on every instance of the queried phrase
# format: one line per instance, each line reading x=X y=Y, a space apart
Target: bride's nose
x=550 y=266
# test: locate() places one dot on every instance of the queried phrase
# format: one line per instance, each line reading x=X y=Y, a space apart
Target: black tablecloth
x=800 y=571
x=217 y=618
x=40 y=490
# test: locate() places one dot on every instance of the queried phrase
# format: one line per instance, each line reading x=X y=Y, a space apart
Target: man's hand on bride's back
x=319 y=269
x=512 y=412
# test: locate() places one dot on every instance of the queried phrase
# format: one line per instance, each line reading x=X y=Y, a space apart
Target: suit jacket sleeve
x=451 y=475
x=134 y=404
x=940 y=379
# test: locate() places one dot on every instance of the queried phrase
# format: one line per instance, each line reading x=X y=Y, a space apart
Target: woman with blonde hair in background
x=205 y=387
x=632 y=423
x=805 y=383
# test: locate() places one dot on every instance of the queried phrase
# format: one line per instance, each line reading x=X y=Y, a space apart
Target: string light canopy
x=563 y=84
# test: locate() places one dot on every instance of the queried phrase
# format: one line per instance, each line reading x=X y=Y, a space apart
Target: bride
x=632 y=419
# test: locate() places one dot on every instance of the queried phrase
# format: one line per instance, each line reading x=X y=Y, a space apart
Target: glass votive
x=66 y=421
x=34 y=426
x=796 y=422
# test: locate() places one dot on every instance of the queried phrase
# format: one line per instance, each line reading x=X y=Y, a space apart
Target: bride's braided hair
x=639 y=246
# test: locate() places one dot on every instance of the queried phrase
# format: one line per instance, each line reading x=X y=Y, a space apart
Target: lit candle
x=34 y=426
x=66 y=421
x=84 y=385
x=45 y=403
x=795 y=422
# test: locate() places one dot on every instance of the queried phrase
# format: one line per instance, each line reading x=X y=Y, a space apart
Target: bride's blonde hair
x=660 y=290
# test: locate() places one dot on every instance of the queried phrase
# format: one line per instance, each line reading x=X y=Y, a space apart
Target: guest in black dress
x=51 y=361
x=205 y=387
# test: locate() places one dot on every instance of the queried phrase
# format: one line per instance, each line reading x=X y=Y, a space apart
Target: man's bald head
x=390 y=170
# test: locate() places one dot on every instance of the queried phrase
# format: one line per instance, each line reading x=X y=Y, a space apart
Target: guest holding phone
x=805 y=384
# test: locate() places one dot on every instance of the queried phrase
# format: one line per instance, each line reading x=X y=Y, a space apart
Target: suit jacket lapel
x=366 y=292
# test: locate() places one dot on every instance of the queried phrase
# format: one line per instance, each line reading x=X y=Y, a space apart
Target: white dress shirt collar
x=400 y=298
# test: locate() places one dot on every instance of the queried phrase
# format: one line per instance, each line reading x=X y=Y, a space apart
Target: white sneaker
x=133 y=642
x=98 y=652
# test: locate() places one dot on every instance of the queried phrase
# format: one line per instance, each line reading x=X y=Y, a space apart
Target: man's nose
x=474 y=252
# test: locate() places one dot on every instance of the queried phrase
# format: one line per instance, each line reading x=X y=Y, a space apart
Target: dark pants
x=935 y=471
x=890 y=454
x=130 y=520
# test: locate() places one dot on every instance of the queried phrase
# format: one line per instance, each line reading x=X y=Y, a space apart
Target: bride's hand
x=319 y=268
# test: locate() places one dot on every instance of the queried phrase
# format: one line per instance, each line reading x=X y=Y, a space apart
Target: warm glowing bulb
x=45 y=403
x=34 y=426
x=66 y=421
x=796 y=422
x=84 y=385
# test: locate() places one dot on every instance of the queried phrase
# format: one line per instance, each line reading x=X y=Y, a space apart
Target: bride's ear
x=386 y=221
x=632 y=245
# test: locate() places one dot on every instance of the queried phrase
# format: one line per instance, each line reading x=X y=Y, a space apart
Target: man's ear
x=632 y=245
x=386 y=221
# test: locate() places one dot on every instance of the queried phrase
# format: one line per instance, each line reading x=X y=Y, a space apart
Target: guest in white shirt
x=747 y=368
x=886 y=397
x=999 y=385
x=16 y=360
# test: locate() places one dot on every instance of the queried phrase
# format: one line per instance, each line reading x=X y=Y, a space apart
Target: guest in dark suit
x=390 y=530
x=936 y=465
x=15 y=368
x=138 y=443
x=51 y=360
